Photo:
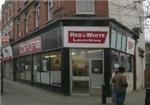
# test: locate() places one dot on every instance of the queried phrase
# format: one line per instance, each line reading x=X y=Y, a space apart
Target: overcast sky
x=1 y=2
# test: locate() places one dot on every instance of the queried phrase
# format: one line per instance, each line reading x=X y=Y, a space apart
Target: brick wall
x=101 y=8
x=61 y=8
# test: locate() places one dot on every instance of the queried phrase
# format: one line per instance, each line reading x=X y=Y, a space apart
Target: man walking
x=121 y=84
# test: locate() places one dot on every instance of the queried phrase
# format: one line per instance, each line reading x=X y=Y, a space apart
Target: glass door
x=79 y=72
x=97 y=76
x=86 y=74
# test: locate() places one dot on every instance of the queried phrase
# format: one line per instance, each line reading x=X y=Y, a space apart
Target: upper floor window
x=19 y=27
x=50 y=6
x=26 y=23
x=37 y=14
x=119 y=40
x=85 y=7
x=113 y=38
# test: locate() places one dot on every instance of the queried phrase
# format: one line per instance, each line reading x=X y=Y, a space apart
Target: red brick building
x=68 y=45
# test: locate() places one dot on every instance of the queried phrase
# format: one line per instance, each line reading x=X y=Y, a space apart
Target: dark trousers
x=120 y=98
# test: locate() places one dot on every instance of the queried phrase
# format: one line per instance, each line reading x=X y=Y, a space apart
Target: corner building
x=70 y=46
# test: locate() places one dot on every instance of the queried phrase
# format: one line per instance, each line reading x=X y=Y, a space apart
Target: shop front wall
x=47 y=68
x=85 y=48
x=38 y=59
x=122 y=54
x=86 y=58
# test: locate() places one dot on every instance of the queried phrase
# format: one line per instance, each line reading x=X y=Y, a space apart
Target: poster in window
x=44 y=65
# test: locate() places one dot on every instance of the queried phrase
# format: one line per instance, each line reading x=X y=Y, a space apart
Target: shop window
x=113 y=38
x=115 y=60
x=85 y=6
x=129 y=67
x=123 y=60
x=45 y=70
x=36 y=68
x=20 y=69
x=55 y=68
x=28 y=67
x=24 y=68
x=119 y=38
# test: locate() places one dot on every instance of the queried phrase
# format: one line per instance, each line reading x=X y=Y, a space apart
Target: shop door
x=97 y=76
x=86 y=71
x=79 y=72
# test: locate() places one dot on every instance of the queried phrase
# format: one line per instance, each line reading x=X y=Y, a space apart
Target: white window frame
x=88 y=13
x=37 y=15
x=49 y=7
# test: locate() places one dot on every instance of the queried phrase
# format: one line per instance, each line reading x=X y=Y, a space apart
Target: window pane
x=37 y=14
x=119 y=37
x=50 y=8
x=85 y=6
x=79 y=62
x=129 y=63
x=45 y=71
x=36 y=68
x=20 y=66
x=28 y=67
x=95 y=53
x=115 y=60
x=123 y=60
x=124 y=38
x=24 y=67
x=55 y=68
x=113 y=38
x=80 y=87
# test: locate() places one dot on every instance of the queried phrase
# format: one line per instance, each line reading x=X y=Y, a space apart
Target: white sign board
x=86 y=37
x=130 y=45
x=7 y=52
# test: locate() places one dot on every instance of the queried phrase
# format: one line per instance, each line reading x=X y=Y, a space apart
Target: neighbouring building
x=73 y=46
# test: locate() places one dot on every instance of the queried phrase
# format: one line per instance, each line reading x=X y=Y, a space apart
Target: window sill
x=86 y=13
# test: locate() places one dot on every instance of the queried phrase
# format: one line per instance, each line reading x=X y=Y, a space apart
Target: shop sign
x=7 y=51
x=130 y=46
x=86 y=37
x=30 y=46
x=4 y=38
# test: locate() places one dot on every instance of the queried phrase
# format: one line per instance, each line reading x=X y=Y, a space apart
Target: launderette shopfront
x=75 y=59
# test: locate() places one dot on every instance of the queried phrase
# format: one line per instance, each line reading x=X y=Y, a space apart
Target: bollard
x=104 y=94
x=147 y=98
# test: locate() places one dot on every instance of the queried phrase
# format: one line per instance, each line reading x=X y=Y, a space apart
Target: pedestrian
x=120 y=83
x=114 y=95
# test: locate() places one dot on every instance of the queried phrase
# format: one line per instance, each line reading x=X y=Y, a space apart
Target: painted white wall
x=131 y=15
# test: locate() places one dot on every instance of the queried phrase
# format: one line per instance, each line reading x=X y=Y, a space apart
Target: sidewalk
x=21 y=94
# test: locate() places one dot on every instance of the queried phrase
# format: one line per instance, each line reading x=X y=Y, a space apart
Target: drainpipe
x=134 y=67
